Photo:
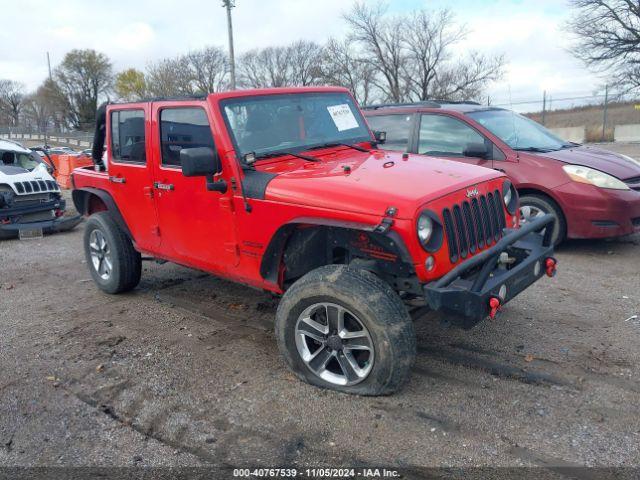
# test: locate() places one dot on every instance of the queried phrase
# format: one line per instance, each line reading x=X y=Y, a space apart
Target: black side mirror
x=202 y=162
x=381 y=137
x=478 y=150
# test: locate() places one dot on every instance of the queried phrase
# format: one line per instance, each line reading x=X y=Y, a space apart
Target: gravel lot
x=185 y=371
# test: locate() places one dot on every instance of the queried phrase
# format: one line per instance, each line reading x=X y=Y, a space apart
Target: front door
x=131 y=172
x=196 y=225
x=444 y=136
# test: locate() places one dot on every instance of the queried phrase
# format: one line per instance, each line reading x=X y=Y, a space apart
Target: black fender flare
x=270 y=264
x=81 y=198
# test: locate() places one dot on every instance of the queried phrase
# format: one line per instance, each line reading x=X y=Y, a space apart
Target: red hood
x=603 y=160
x=376 y=181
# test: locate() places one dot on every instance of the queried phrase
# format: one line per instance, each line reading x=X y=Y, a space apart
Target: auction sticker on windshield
x=342 y=116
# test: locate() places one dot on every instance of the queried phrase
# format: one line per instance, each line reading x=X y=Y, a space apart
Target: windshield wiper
x=533 y=149
x=308 y=158
x=339 y=144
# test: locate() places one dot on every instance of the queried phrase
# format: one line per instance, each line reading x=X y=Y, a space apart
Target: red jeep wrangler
x=284 y=190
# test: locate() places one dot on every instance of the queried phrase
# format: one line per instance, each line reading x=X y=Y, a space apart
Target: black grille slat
x=497 y=198
x=471 y=233
x=460 y=232
x=42 y=185
x=478 y=217
x=495 y=227
x=486 y=221
x=27 y=187
x=36 y=187
x=20 y=187
x=474 y=224
x=451 y=235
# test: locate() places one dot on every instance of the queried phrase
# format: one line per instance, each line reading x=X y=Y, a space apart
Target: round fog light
x=536 y=268
x=430 y=262
x=502 y=293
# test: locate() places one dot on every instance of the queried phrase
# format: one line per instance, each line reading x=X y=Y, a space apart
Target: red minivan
x=593 y=193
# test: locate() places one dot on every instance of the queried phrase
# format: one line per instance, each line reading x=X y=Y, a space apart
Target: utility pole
x=49 y=65
x=229 y=4
x=544 y=106
x=604 y=115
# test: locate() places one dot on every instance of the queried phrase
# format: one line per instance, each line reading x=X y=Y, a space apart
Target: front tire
x=532 y=206
x=345 y=329
x=113 y=262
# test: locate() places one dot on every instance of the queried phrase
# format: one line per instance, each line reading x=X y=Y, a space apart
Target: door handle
x=117 y=179
x=163 y=186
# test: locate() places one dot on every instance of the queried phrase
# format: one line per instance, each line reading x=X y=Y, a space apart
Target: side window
x=183 y=128
x=398 y=128
x=127 y=136
x=445 y=136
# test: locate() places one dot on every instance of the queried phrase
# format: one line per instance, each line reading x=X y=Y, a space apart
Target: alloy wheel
x=334 y=344
x=100 y=254
x=530 y=212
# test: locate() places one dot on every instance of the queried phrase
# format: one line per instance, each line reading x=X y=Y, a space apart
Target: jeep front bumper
x=476 y=288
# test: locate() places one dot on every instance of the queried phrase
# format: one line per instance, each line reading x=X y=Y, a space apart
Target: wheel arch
x=89 y=200
x=550 y=197
x=541 y=192
x=304 y=244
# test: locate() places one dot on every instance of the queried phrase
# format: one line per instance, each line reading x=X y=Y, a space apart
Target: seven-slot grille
x=474 y=224
x=37 y=186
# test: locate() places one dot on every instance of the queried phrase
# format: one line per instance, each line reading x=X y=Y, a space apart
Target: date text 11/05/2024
x=316 y=473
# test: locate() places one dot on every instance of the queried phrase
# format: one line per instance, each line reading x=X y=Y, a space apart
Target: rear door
x=196 y=225
x=445 y=136
x=130 y=172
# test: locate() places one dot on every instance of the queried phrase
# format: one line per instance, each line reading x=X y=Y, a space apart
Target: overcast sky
x=135 y=32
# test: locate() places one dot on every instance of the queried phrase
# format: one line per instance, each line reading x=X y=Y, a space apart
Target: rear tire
x=373 y=318
x=535 y=203
x=113 y=262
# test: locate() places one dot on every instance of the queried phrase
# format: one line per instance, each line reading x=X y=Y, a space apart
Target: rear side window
x=445 y=136
x=127 y=136
x=183 y=128
x=398 y=128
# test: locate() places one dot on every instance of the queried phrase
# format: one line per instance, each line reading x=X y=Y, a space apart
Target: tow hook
x=551 y=265
x=494 y=307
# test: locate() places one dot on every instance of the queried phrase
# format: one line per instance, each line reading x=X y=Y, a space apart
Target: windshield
x=28 y=161
x=517 y=131
x=270 y=124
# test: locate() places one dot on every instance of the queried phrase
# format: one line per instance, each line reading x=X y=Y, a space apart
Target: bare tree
x=208 y=69
x=383 y=47
x=82 y=77
x=609 y=38
x=413 y=58
x=169 y=77
x=343 y=66
x=11 y=100
x=304 y=58
x=427 y=40
x=266 y=67
x=296 y=64
x=468 y=78
x=199 y=71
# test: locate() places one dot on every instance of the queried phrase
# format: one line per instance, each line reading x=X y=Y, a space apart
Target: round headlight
x=509 y=196
x=425 y=228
